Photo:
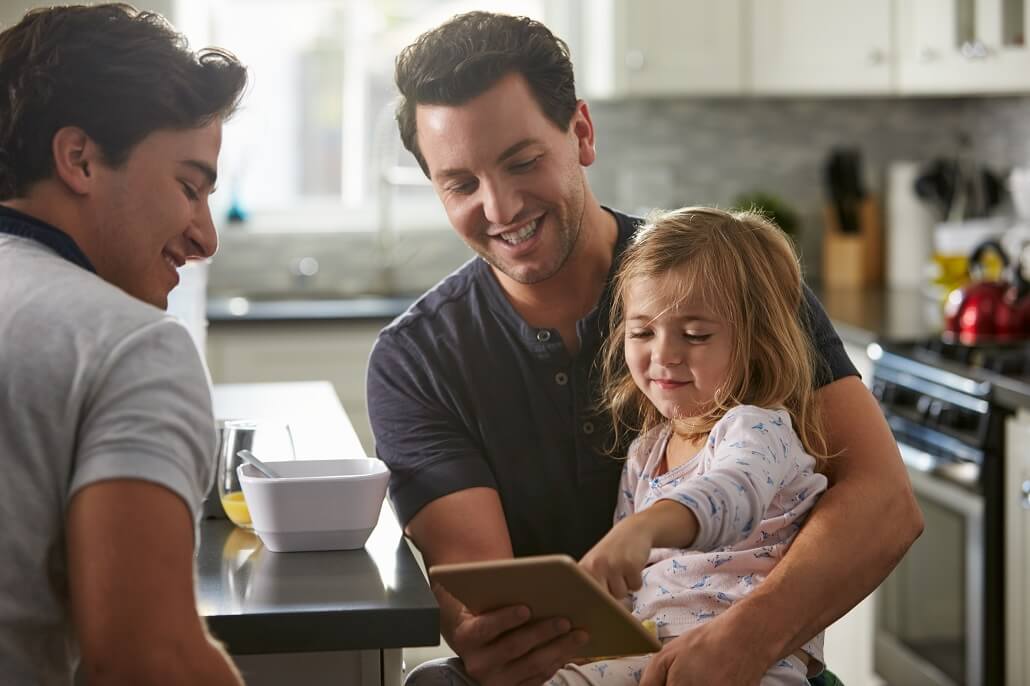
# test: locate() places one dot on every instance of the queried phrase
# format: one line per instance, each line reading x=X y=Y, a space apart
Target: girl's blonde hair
x=744 y=268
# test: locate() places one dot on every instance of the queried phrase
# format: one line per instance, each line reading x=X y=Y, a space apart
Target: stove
x=1006 y=359
x=940 y=615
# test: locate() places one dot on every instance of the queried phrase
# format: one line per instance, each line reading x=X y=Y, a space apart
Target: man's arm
x=130 y=570
x=857 y=532
x=500 y=647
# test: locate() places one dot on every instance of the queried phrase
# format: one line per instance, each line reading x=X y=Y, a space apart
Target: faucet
x=389 y=176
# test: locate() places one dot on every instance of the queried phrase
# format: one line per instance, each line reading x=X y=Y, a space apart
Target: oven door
x=930 y=614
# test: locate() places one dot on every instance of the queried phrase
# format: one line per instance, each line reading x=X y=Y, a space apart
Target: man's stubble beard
x=567 y=240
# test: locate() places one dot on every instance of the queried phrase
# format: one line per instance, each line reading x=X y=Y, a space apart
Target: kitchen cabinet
x=962 y=46
x=663 y=47
x=335 y=351
x=669 y=48
x=818 y=47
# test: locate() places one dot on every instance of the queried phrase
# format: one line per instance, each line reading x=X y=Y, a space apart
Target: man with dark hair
x=110 y=130
x=482 y=394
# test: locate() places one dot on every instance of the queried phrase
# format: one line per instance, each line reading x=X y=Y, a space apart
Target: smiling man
x=109 y=137
x=483 y=395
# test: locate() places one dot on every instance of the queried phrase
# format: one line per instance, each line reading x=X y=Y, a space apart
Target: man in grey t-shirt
x=109 y=144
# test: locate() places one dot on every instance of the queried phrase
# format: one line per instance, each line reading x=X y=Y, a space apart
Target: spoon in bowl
x=250 y=458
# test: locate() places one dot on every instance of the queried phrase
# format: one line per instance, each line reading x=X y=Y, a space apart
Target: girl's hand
x=618 y=559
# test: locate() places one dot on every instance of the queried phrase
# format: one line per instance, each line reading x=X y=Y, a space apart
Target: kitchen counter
x=241 y=309
x=862 y=316
x=257 y=601
x=306 y=605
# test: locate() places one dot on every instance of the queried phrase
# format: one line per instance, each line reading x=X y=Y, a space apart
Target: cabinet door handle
x=1025 y=500
x=635 y=60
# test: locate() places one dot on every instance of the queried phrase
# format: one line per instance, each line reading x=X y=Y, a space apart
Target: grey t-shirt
x=96 y=385
x=463 y=393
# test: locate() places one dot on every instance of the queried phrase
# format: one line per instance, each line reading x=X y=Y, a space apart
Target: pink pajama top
x=751 y=487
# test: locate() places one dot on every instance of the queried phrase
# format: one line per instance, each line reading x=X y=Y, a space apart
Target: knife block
x=853 y=260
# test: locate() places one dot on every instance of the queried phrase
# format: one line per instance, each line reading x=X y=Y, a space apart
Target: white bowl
x=317 y=504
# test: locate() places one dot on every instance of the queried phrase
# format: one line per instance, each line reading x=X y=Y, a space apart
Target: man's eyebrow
x=204 y=168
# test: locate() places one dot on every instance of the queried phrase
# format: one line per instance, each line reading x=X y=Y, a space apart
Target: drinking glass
x=270 y=441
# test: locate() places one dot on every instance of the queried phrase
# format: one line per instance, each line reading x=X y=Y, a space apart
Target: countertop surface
x=863 y=316
x=241 y=309
x=257 y=601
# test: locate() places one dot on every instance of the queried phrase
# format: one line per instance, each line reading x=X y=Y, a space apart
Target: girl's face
x=677 y=349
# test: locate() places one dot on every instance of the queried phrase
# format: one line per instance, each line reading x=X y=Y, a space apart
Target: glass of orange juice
x=271 y=441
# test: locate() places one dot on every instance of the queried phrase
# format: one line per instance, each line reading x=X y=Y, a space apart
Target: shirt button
x=543 y=335
x=561 y=378
x=588 y=427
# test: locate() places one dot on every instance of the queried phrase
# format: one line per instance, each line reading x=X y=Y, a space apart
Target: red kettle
x=980 y=312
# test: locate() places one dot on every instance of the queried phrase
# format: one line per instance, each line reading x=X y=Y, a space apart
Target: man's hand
x=500 y=648
x=617 y=560
x=702 y=656
x=507 y=648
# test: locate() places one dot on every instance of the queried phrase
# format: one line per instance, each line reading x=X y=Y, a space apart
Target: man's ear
x=583 y=128
x=76 y=156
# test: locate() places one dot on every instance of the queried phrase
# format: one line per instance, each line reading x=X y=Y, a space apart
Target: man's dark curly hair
x=115 y=72
x=464 y=57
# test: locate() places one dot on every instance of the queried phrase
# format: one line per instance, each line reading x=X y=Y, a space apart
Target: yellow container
x=236 y=509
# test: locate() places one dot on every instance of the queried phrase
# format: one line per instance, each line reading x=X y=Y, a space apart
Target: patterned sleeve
x=752 y=455
x=625 y=504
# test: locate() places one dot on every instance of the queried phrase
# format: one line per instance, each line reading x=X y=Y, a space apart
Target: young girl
x=709 y=362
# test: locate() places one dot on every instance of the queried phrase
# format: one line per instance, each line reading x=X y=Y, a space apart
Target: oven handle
x=937 y=486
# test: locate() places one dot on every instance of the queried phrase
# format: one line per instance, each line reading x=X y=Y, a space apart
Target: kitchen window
x=315 y=145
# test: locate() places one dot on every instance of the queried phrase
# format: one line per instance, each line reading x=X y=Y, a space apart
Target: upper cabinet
x=962 y=46
x=634 y=48
x=664 y=47
x=816 y=47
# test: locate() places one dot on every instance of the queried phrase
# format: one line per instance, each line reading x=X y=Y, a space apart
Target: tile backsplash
x=668 y=153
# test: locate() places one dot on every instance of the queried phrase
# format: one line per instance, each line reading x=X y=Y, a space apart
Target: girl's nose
x=667 y=352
